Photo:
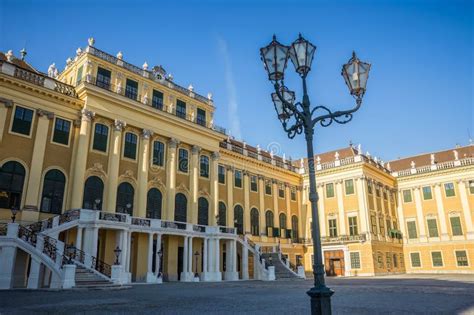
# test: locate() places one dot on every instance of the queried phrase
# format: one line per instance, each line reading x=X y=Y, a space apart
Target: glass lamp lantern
x=275 y=58
x=283 y=112
x=356 y=73
x=302 y=54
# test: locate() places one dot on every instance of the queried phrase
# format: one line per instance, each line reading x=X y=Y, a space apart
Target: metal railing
x=141 y=222
x=115 y=217
x=27 y=235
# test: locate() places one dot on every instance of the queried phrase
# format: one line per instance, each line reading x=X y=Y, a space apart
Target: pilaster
x=465 y=209
x=261 y=204
x=170 y=179
x=113 y=166
x=321 y=210
x=363 y=208
x=246 y=202
x=143 y=165
x=419 y=215
x=3 y=114
x=340 y=207
x=214 y=209
x=230 y=196
x=441 y=214
x=193 y=183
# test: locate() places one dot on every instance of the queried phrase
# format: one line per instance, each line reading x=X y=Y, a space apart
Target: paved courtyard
x=392 y=295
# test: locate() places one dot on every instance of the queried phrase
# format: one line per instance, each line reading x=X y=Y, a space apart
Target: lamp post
x=298 y=117
x=117 y=252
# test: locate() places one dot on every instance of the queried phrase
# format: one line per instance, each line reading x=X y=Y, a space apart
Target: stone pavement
x=405 y=294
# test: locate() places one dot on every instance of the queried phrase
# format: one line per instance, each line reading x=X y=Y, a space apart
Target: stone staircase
x=87 y=279
x=281 y=271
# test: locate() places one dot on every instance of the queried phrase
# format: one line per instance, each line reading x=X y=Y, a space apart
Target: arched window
x=269 y=222
x=180 y=207
x=204 y=166
x=203 y=211
x=53 y=192
x=254 y=226
x=239 y=219
x=294 y=227
x=93 y=192
x=12 y=177
x=125 y=194
x=222 y=214
x=153 y=204
x=282 y=221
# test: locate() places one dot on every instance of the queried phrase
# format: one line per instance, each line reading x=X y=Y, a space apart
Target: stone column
x=214 y=206
x=218 y=256
x=190 y=256
x=401 y=217
x=150 y=276
x=245 y=263
x=37 y=158
x=81 y=158
x=300 y=216
x=246 y=202
x=157 y=255
x=441 y=215
x=3 y=114
x=34 y=276
x=384 y=212
x=276 y=211
x=113 y=166
x=261 y=204
x=204 y=256
x=363 y=208
x=128 y=249
x=170 y=179
x=322 y=212
x=79 y=237
x=185 y=260
x=230 y=196
x=143 y=165
x=193 y=183
x=340 y=205
x=419 y=216
x=91 y=235
x=466 y=209
x=289 y=224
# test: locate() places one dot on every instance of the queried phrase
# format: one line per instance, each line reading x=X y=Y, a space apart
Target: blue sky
x=420 y=91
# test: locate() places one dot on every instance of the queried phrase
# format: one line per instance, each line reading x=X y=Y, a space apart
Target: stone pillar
x=185 y=260
x=214 y=206
x=150 y=276
x=7 y=261
x=384 y=212
x=289 y=224
x=90 y=243
x=261 y=204
x=276 y=212
x=79 y=237
x=419 y=215
x=340 y=206
x=81 y=158
x=363 y=208
x=230 y=196
x=441 y=215
x=113 y=166
x=245 y=263
x=190 y=255
x=34 y=178
x=401 y=218
x=157 y=255
x=217 y=256
x=322 y=212
x=193 y=183
x=34 y=276
x=465 y=209
x=128 y=249
x=246 y=202
x=300 y=216
x=143 y=165
x=170 y=179
x=204 y=256
x=3 y=114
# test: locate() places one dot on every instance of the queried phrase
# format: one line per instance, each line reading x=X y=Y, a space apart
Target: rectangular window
x=131 y=89
x=22 y=120
x=183 y=160
x=389 y=228
x=268 y=187
x=461 y=258
x=158 y=153
x=388 y=259
x=432 y=228
x=332 y=227
x=437 y=259
x=253 y=183
x=407 y=195
x=381 y=226
x=181 y=109
x=157 y=100
x=221 y=174
x=471 y=186
x=349 y=185
x=329 y=190
x=201 y=117
x=61 y=131
x=449 y=189
x=281 y=190
x=427 y=195
x=402 y=261
x=79 y=75
x=456 y=226
x=103 y=78
x=377 y=192
x=293 y=193
x=385 y=197
x=373 y=224
x=415 y=259
x=204 y=166
x=380 y=260
x=238 y=178
x=130 y=148
x=355 y=260
x=353 y=230
x=395 y=261
x=101 y=134
x=369 y=188
x=411 y=225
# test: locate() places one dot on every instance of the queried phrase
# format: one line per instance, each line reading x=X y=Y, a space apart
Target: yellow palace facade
x=117 y=170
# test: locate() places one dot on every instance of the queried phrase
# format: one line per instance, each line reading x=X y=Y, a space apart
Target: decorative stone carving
x=9 y=56
x=68 y=61
x=170 y=77
x=456 y=155
x=412 y=164
x=91 y=41
x=119 y=55
x=432 y=157
x=53 y=71
x=87 y=114
x=389 y=167
x=145 y=66
x=229 y=168
x=191 y=88
x=127 y=176
x=215 y=156
x=7 y=102
x=156 y=182
x=195 y=149
x=147 y=133
x=336 y=156
x=78 y=51
x=209 y=96
x=302 y=163
x=318 y=160
x=173 y=143
x=44 y=113
x=119 y=124
x=359 y=149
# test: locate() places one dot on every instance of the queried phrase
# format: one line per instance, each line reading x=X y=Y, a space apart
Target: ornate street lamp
x=303 y=118
x=14 y=211
x=117 y=252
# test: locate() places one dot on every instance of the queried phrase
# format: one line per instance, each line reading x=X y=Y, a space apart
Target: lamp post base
x=320 y=300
